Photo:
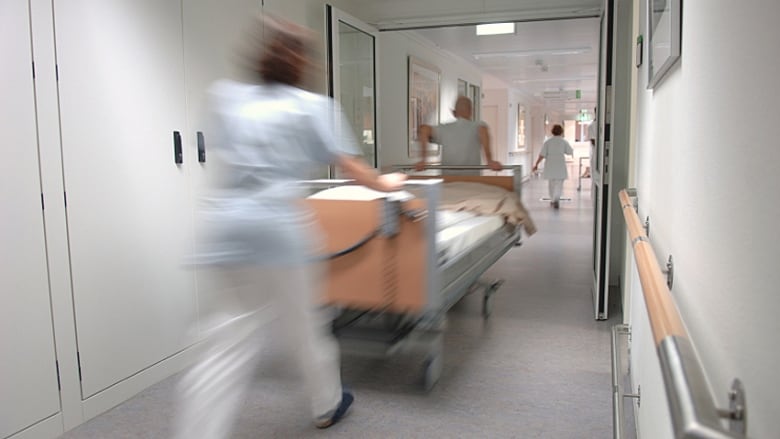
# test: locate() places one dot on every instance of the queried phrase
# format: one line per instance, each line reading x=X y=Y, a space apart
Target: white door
x=490 y=116
x=129 y=210
x=28 y=382
x=216 y=45
x=602 y=198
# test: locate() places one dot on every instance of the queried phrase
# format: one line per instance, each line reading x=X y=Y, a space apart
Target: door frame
x=333 y=17
x=600 y=168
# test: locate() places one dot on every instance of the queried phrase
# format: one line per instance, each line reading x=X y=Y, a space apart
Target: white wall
x=707 y=175
x=507 y=99
x=394 y=50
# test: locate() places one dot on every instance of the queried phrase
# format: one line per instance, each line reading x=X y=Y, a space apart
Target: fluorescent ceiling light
x=534 y=52
x=495 y=28
x=562 y=79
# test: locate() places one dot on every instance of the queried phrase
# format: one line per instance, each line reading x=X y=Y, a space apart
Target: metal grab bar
x=693 y=410
x=455 y=167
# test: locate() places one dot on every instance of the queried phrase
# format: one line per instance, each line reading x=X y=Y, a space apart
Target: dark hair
x=557 y=130
x=285 y=54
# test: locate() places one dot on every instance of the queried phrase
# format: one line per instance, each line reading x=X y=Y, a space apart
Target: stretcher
x=390 y=278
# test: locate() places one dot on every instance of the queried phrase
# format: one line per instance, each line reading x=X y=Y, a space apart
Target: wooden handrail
x=694 y=411
x=664 y=317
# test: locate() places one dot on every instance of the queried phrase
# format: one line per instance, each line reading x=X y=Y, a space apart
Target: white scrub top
x=553 y=152
x=266 y=139
x=460 y=142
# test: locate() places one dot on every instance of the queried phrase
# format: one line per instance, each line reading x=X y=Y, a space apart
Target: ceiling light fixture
x=533 y=52
x=569 y=78
x=495 y=29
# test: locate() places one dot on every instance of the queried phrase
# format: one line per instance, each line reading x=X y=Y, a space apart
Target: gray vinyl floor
x=539 y=368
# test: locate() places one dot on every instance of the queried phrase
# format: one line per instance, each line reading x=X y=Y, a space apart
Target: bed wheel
x=487 y=306
x=431 y=371
x=487 y=301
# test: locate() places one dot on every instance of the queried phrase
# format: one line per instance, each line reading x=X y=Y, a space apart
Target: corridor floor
x=538 y=368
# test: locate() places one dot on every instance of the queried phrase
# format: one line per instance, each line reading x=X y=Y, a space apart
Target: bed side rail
x=516 y=174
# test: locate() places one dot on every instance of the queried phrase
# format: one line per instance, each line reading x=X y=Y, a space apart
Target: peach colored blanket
x=484 y=199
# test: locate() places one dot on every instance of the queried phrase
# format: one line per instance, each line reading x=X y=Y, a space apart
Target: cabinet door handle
x=201 y=147
x=178 y=158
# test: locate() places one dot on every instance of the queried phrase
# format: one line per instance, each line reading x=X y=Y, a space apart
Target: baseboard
x=49 y=428
x=131 y=386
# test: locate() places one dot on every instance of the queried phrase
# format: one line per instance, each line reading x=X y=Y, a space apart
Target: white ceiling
x=548 y=60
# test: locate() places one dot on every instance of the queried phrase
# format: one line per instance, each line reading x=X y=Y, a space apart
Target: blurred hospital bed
x=398 y=262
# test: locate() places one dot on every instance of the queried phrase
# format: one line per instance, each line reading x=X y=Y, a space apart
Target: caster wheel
x=431 y=372
x=487 y=306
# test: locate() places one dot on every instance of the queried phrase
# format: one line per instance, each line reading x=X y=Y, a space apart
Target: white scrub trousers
x=556 y=189
x=212 y=392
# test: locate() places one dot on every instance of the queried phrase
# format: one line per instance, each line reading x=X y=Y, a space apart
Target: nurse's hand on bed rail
x=367 y=176
x=392 y=182
x=495 y=165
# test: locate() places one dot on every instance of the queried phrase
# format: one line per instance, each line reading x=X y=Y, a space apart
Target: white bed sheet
x=456 y=231
x=463 y=235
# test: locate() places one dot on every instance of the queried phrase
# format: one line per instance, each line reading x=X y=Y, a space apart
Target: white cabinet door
x=215 y=38
x=216 y=42
x=28 y=382
x=129 y=207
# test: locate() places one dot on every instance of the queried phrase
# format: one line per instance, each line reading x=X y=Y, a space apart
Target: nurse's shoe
x=335 y=416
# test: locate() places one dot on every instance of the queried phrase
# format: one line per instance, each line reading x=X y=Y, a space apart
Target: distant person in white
x=461 y=140
x=555 y=171
x=261 y=244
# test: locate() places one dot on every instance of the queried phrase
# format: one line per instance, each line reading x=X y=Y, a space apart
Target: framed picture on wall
x=520 y=127
x=463 y=88
x=424 y=98
x=664 y=29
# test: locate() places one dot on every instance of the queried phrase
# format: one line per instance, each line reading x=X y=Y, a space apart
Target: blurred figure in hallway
x=553 y=152
x=461 y=141
x=261 y=243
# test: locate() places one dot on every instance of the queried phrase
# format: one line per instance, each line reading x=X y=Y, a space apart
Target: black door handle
x=178 y=158
x=201 y=147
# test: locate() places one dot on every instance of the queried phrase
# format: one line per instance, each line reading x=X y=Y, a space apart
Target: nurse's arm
x=358 y=170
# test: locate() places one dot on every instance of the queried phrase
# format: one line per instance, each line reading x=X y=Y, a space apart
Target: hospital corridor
x=537 y=368
x=519 y=219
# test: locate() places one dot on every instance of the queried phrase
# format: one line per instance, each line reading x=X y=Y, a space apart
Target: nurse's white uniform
x=555 y=170
x=261 y=244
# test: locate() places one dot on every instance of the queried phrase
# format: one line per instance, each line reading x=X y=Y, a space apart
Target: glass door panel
x=352 y=74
